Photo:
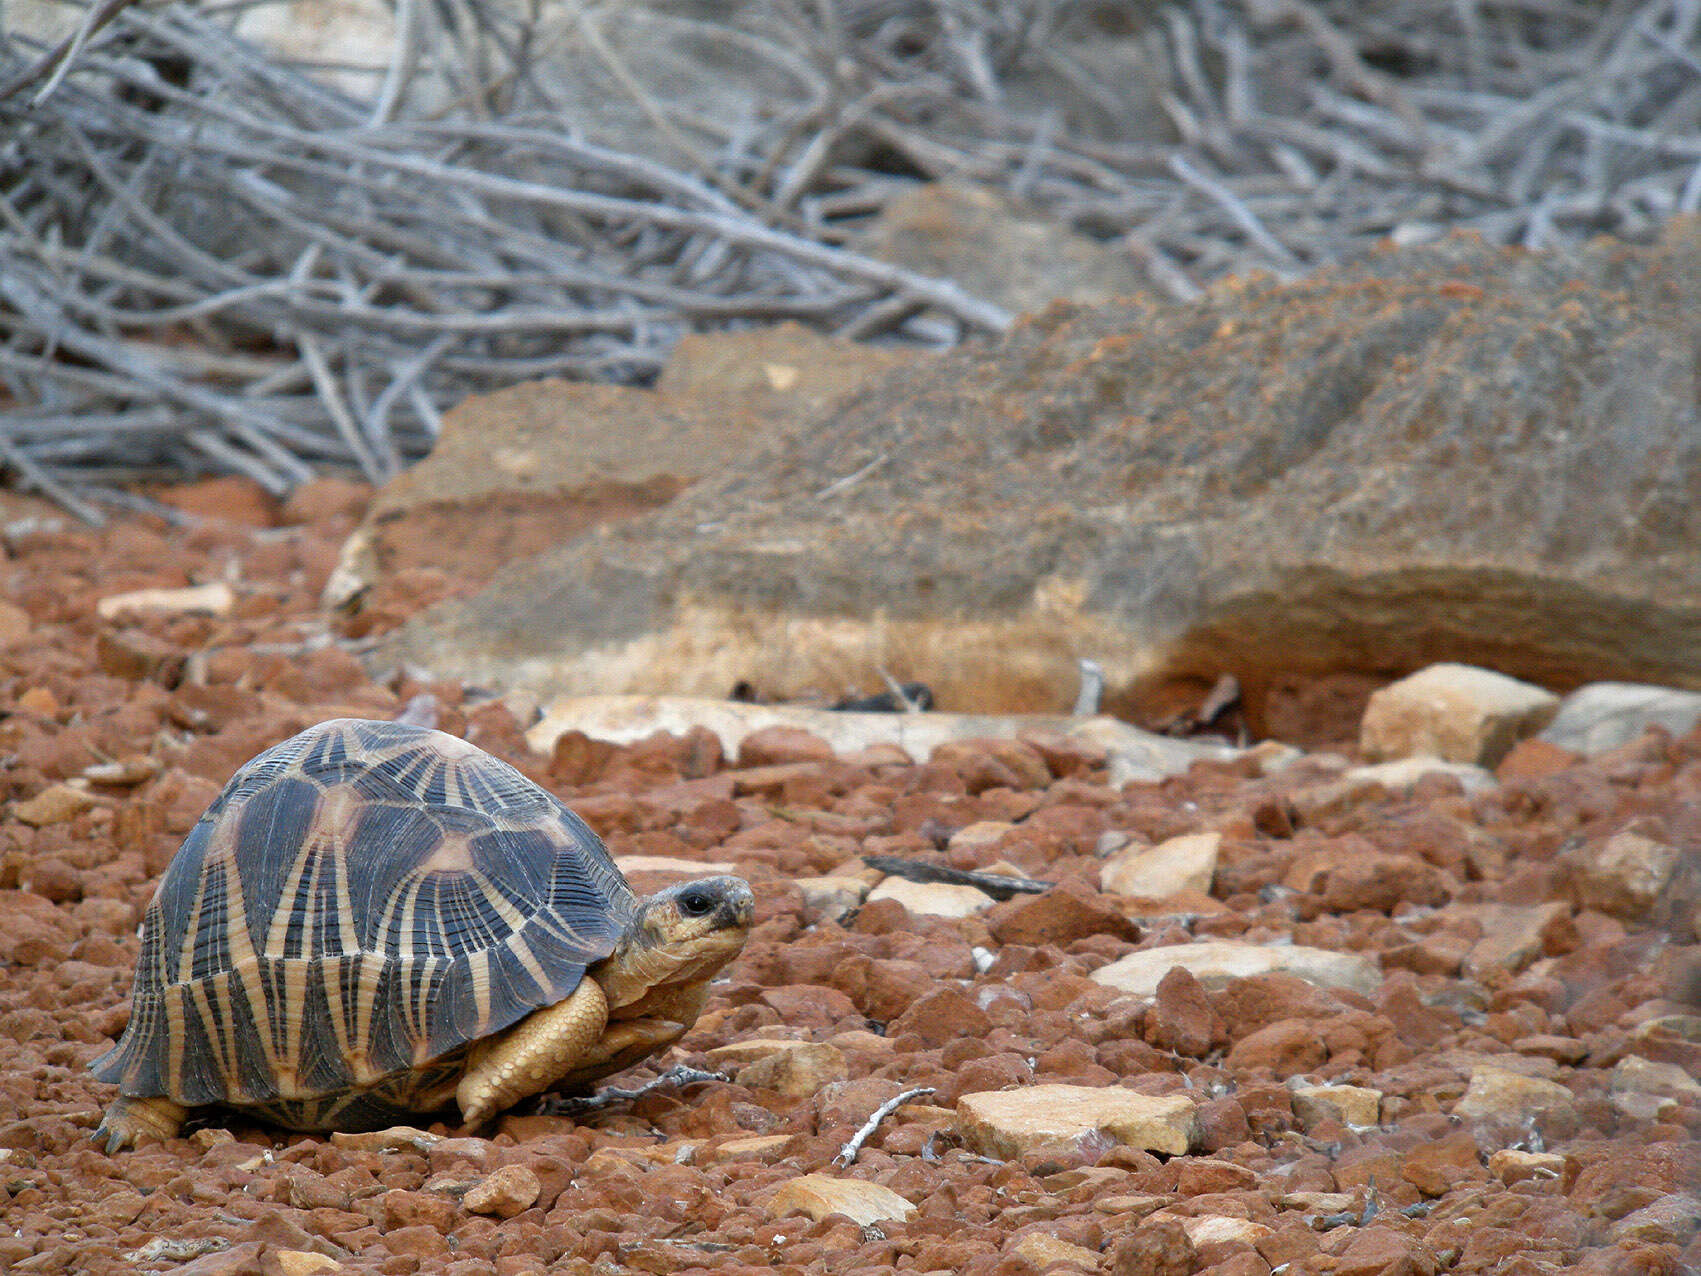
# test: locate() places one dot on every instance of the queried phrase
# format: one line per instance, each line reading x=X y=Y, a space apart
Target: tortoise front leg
x=131 y=1122
x=532 y=1055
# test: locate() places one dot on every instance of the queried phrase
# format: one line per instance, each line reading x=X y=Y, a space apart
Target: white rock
x=1156 y=872
x=1456 y=712
x=1215 y=962
x=1495 y=1092
x=1007 y=1123
x=214 y=599
x=1605 y=715
x=819 y=1195
x=934 y=899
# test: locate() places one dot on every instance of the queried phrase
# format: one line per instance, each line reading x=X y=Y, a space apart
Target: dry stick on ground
x=847 y=1154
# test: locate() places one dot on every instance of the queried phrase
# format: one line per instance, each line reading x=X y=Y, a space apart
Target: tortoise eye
x=696 y=903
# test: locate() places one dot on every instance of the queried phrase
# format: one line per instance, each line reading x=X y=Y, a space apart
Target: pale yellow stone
x=739 y=1054
x=1179 y=864
x=981 y=833
x=55 y=804
x=798 y=1072
x=756 y=1147
x=1046 y=1253
x=819 y=1195
x=394 y=1139
x=1356 y=1107
x=1512 y=1166
x=933 y=899
x=1216 y=1229
x=1511 y=935
x=1007 y=1123
x=505 y=1192
x=215 y=599
x=1495 y=1092
x=1456 y=712
x=1135 y=1204
x=1215 y=963
x=302 y=1262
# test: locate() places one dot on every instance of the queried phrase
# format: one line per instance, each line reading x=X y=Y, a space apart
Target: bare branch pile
x=210 y=261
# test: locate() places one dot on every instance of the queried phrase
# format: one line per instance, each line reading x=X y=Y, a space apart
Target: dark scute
x=407 y=771
x=199 y=1080
x=493 y=785
x=391 y=1044
x=166 y=926
x=327 y=748
x=520 y=863
x=272 y=826
x=512 y=984
x=387 y=845
x=253 y=1070
x=211 y=943
x=322 y=1066
x=134 y=1063
x=457 y=916
x=453 y=1014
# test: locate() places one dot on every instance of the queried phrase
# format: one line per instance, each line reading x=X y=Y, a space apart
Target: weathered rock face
x=525 y=469
x=1452 y=453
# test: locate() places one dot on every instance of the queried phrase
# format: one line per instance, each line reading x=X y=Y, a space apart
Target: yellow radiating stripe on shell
x=203 y=993
x=478 y=975
x=176 y=1028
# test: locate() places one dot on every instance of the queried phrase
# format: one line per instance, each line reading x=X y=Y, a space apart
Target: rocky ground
x=1457 y=1029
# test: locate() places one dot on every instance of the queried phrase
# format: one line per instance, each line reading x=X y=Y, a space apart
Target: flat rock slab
x=1214 y=963
x=1008 y=1123
x=819 y=1195
x=1391 y=463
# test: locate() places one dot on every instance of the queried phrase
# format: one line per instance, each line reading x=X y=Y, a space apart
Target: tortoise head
x=681 y=935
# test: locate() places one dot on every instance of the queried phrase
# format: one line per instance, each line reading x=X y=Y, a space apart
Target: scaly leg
x=532 y=1055
x=131 y=1122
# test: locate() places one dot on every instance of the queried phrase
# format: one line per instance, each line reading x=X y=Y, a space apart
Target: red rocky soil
x=1528 y=1116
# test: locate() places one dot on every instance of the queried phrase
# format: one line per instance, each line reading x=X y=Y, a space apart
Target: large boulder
x=1454 y=453
x=524 y=469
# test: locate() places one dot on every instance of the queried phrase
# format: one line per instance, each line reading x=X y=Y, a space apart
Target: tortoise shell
x=359 y=905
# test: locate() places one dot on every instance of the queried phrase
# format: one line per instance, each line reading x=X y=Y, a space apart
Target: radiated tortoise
x=373 y=920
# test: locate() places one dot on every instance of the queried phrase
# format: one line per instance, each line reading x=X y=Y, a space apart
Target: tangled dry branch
x=212 y=261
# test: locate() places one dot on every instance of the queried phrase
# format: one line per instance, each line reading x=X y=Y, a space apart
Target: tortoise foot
x=132 y=1122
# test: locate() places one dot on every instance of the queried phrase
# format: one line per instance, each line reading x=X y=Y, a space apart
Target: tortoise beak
x=735 y=906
